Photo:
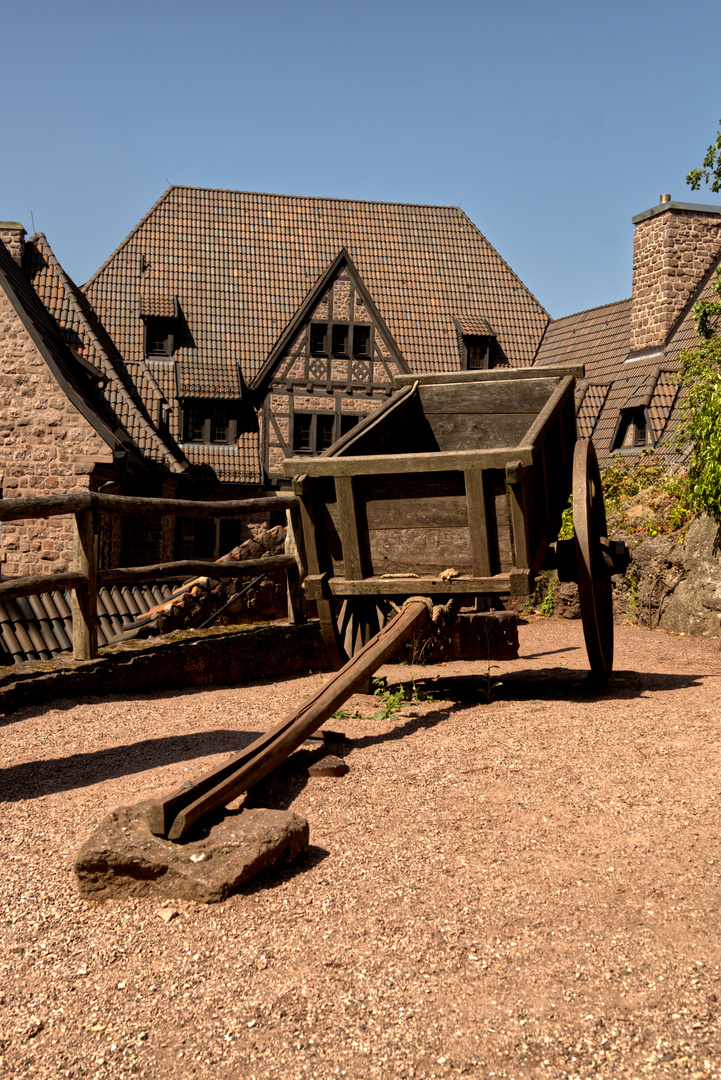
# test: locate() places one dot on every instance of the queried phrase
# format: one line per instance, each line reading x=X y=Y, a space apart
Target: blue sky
x=550 y=123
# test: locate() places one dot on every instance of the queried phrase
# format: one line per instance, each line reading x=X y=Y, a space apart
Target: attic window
x=634 y=430
x=318 y=333
x=339 y=339
x=159 y=336
x=361 y=340
x=209 y=422
x=479 y=352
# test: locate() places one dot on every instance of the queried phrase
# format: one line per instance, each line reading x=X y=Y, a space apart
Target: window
x=209 y=422
x=159 y=336
x=361 y=340
x=339 y=340
x=633 y=431
x=316 y=431
x=479 y=352
x=318 y=334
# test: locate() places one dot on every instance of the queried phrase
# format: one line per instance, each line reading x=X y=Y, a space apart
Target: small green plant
x=393 y=700
x=488 y=685
x=542 y=595
x=546 y=607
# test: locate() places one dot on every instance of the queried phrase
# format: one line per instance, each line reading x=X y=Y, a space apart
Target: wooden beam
x=477 y=523
x=12 y=588
x=84 y=605
x=295 y=548
x=175 y=815
x=44 y=506
x=51 y=505
x=491 y=375
x=187 y=568
x=322 y=587
x=438 y=461
x=345 y=500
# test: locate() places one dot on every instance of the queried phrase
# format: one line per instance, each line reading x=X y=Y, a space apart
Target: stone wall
x=12 y=235
x=46 y=447
x=672 y=250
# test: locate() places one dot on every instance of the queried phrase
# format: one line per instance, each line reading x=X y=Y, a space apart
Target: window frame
x=202 y=406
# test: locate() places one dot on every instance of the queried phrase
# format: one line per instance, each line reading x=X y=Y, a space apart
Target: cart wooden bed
x=468 y=472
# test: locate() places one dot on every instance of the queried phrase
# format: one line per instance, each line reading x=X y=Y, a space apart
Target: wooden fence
x=86 y=578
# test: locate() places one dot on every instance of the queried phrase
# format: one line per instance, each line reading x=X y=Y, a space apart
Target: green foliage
x=710 y=171
x=546 y=607
x=700 y=370
x=567 y=531
x=393 y=700
x=542 y=595
x=664 y=497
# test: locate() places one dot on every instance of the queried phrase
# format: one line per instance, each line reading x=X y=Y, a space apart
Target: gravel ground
x=528 y=888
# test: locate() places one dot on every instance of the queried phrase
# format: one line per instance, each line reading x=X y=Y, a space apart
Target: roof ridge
x=299 y=198
x=587 y=311
x=127 y=239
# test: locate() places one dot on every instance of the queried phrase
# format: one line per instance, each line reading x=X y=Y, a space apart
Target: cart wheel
x=589 y=523
x=347 y=625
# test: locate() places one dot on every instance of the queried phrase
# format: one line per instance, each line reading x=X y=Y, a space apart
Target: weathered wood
x=478 y=432
x=491 y=375
x=443 y=461
x=537 y=433
x=175 y=815
x=519 y=526
x=85 y=598
x=429 y=550
x=295 y=548
x=12 y=588
x=187 y=568
x=44 y=506
x=498 y=398
x=477 y=523
x=187 y=508
x=52 y=505
x=425 y=585
x=345 y=501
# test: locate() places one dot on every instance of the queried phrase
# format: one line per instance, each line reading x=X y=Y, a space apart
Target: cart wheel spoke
x=595 y=594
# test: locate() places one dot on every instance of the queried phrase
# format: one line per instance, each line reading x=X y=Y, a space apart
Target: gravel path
x=528 y=888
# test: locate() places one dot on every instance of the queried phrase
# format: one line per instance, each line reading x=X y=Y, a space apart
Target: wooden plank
x=294 y=547
x=448 y=461
x=491 y=375
x=477 y=523
x=415 y=500
x=188 y=568
x=303 y=489
x=477 y=431
x=503 y=396
x=345 y=501
x=536 y=434
x=176 y=814
x=12 y=588
x=85 y=599
x=187 y=508
x=430 y=551
x=519 y=526
x=495 y=585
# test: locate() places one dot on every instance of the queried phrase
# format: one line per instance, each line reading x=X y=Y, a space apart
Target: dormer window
x=479 y=352
x=209 y=421
x=633 y=431
x=159 y=336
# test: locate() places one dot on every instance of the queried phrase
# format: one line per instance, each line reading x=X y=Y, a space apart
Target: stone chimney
x=674 y=245
x=12 y=235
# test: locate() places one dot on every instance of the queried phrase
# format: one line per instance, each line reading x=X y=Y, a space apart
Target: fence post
x=84 y=600
x=297 y=606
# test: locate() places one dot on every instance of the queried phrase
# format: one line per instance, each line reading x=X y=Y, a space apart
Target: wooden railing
x=86 y=578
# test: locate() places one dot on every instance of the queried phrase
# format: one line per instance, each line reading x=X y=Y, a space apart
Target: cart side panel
x=326 y=525
x=416 y=522
x=479 y=416
x=500 y=541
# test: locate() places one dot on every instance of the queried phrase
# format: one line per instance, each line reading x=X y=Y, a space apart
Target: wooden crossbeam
x=176 y=814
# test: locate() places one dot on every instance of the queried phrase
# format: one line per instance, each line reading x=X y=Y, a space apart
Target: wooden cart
x=466 y=472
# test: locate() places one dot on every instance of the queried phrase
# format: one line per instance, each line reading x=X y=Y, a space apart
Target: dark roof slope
x=598 y=338
x=241 y=264
x=125 y=392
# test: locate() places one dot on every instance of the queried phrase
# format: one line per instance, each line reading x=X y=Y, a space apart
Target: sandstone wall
x=46 y=447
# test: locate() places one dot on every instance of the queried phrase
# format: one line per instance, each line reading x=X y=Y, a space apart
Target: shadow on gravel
x=35 y=778
x=556 y=684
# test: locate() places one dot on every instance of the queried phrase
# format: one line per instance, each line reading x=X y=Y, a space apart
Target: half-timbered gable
x=334 y=364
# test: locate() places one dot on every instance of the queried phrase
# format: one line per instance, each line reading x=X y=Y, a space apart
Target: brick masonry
x=46 y=447
x=672 y=251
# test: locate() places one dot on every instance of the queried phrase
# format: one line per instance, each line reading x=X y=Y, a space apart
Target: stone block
x=123 y=859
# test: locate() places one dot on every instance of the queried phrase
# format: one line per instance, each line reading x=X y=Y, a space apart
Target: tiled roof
x=129 y=395
x=597 y=338
x=228 y=462
x=242 y=263
x=40 y=627
x=590 y=398
x=474 y=325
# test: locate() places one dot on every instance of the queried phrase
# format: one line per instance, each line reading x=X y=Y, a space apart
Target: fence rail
x=86 y=578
